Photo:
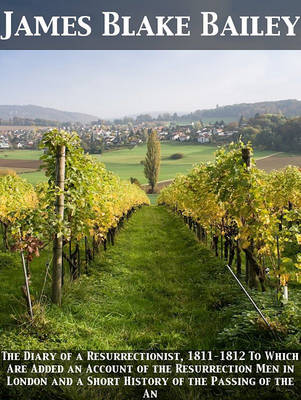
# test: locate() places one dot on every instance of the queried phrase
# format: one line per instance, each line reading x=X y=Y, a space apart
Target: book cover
x=150 y=200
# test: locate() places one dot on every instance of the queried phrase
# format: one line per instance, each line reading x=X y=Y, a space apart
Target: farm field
x=279 y=161
x=126 y=163
x=20 y=163
x=34 y=177
x=5 y=128
x=20 y=154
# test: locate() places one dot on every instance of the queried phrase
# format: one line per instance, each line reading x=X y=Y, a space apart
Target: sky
x=111 y=84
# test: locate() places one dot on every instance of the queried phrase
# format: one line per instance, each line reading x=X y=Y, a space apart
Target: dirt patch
x=32 y=164
x=159 y=187
x=278 y=162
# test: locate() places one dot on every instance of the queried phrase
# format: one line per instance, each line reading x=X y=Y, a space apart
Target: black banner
x=155 y=25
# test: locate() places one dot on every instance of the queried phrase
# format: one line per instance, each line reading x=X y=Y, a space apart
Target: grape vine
x=242 y=209
x=96 y=202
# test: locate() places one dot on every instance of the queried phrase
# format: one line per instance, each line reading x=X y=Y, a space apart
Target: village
x=105 y=135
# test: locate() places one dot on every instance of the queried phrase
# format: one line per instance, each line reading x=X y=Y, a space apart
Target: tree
x=241 y=121
x=152 y=160
x=232 y=126
x=198 y=125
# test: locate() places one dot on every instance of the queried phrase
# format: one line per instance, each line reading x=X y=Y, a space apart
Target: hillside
x=228 y=113
x=8 y=112
x=289 y=108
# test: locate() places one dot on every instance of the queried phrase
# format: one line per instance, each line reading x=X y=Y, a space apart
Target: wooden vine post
x=27 y=290
x=246 y=156
x=252 y=267
x=58 y=239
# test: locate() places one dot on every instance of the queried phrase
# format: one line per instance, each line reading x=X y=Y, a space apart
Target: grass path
x=157 y=288
x=268 y=156
x=155 y=279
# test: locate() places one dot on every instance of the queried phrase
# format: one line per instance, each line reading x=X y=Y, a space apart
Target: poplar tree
x=152 y=160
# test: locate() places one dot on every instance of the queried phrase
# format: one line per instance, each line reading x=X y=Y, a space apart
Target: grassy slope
x=126 y=163
x=34 y=177
x=153 y=198
x=20 y=154
x=154 y=289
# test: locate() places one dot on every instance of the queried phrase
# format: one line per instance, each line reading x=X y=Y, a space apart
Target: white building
x=184 y=138
x=203 y=139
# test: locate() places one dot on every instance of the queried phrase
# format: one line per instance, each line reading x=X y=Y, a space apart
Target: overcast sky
x=118 y=83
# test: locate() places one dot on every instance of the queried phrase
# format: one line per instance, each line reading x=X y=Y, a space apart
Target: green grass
x=34 y=177
x=156 y=289
x=151 y=290
x=126 y=162
x=212 y=120
x=21 y=154
x=288 y=155
x=12 y=279
x=153 y=198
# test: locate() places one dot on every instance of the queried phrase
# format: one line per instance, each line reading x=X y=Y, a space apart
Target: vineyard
x=81 y=203
x=244 y=213
x=249 y=218
x=159 y=284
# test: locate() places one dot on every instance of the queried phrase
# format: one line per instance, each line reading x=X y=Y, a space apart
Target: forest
x=272 y=131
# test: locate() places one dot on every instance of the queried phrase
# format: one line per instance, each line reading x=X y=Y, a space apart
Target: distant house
x=185 y=126
x=205 y=132
x=203 y=139
x=230 y=133
x=184 y=138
